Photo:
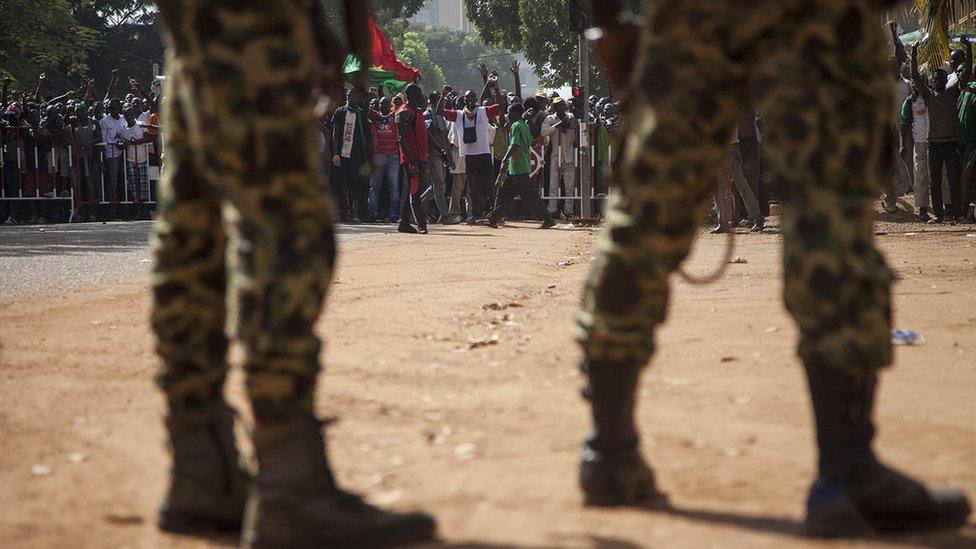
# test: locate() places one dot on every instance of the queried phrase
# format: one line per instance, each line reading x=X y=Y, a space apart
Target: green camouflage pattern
x=817 y=71
x=244 y=241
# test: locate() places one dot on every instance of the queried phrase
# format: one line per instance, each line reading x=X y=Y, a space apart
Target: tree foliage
x=938 y=18
x=388 y=10
x=129 y=38
x=67 y=39
x=458 y=54
x=42 y=36
x=414 y=52
x=541 y=29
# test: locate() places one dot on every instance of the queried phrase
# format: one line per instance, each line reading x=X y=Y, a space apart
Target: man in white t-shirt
x=111 y=125
x=472 y=125
x=915 y=129
x=137 y=141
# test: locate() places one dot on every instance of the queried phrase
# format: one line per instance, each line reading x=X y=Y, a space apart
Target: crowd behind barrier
x=74 y=158
x=467 y=137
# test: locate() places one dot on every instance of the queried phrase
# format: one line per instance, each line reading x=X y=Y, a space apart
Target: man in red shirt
x=412 y=131
x=415 y=173
x=386 y=162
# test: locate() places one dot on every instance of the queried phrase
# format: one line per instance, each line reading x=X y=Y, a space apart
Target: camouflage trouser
x=817 y=71
x=241 y=205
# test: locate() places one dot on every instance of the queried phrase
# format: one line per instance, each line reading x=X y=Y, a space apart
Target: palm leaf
x=938 y=18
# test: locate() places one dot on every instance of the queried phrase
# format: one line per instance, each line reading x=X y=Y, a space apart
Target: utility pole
x=578 y=23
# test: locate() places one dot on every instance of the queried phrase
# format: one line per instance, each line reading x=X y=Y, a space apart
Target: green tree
x=390 y=15
x=388 y=10
x=938 y=18
x=129 y=39
x=414 y=53
x=458 y=54
x=541 y=29
x=41 y=36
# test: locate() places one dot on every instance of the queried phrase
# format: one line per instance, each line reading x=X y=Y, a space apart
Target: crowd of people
x=937 y=118
x=96 y=153
x=453 y=156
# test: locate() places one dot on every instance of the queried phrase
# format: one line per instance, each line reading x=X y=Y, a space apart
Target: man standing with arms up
x=242 y=174
x=826 y=88
x=472 y=125
x=941 y=103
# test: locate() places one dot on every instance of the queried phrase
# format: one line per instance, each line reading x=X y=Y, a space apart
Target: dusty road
x=486 y=438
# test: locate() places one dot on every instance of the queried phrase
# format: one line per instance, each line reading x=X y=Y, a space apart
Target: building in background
x=442 y=13
x=450 y=14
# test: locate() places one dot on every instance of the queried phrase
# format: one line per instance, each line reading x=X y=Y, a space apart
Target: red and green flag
x=386 y=69
x=385 y=58
x=379 y=77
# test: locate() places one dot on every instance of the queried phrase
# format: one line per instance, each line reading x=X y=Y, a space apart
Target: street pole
x=584 y=128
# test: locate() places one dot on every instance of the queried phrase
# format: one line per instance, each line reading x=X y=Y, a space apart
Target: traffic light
x=577 y=91
x=577 y=17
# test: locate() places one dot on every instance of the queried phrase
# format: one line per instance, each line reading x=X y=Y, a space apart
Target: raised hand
x=515 y=67
x=483 y=69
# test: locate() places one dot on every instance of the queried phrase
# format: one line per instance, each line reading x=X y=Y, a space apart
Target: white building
x=442 y=13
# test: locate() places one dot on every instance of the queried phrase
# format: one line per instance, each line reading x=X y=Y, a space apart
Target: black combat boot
x=295 y=502
x=208 y=482
x=612 y=471
x=855 y=494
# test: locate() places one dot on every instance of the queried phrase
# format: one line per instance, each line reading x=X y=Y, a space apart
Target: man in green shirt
x=518 y=182
x=967 y=144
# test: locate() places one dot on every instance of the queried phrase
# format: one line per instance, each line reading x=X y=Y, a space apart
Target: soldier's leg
x=189 y=290
x=832 y=149
x=676 y=129
x=250 y=70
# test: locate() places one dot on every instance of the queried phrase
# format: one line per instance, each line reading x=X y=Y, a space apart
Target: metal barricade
x=576 y=195
x=79 y=179
x=22 y=169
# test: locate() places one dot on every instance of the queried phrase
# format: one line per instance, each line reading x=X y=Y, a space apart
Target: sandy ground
x=486 y=438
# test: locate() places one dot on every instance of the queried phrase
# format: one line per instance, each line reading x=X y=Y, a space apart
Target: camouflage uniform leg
x=678 y=120
x=246 y=84
x=189 y=276
x=830 y=145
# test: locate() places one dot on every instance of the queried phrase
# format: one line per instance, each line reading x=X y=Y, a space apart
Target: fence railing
x=77 y=170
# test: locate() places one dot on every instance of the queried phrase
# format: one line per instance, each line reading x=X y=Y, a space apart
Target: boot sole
x=179 y=522
x=849 y=523
x=642 y=496
x=372 y=540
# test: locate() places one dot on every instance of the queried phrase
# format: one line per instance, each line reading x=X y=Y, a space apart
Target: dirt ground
x=437 y=414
